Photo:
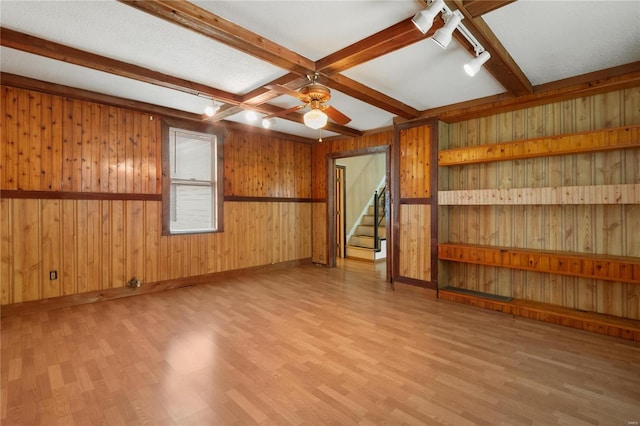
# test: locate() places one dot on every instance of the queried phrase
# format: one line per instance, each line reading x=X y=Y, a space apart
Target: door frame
x=343 y=195
x=331 y=201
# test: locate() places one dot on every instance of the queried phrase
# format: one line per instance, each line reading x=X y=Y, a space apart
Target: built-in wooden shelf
x=588 y=194
x=575 y=143
x=568 y=317
x=601 y=267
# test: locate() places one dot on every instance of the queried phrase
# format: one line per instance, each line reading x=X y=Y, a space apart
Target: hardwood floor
x=308 y=345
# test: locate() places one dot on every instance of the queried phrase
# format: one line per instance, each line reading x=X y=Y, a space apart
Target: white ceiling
x=549 y=40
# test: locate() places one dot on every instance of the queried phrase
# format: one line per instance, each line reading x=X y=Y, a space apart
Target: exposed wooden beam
x=479 y=7
x=366 y=94
x=87 y=95
x=501 y=65
x=395 y=37
x=195 y=18
x=616 y=78
x=60 y=52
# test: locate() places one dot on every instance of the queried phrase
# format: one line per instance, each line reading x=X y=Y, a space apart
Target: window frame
x=218 y=187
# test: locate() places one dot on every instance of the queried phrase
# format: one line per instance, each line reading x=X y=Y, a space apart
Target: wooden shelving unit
x=610 y=268
x=577 y=143
x=620 y=273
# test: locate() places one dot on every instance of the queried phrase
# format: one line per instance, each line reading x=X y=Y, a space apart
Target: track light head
x=424 y=18
x=443 y=36
x=476 y=63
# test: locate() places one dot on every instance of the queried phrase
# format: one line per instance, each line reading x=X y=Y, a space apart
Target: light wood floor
x=308 y=345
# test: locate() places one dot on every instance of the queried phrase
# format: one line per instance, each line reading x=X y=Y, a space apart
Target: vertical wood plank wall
x=593 y=229
x=56 y=144
x=414 y=239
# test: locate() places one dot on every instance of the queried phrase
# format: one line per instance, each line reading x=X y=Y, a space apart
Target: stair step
x=368 y=220
x=362 y=241
x=368 y=230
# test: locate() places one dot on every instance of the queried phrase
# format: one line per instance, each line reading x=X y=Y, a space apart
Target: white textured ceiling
x=553 y=40
x=549 y=40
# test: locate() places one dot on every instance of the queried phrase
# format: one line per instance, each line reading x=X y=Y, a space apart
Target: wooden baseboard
x=145 y=288
x=591 y=321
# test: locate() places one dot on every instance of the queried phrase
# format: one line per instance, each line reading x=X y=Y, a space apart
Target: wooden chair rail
x=575 y=143
x=601 y=267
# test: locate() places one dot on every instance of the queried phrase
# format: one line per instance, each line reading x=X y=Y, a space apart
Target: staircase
x=362 y=243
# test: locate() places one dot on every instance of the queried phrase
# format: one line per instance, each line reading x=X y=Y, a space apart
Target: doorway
x=343 y=208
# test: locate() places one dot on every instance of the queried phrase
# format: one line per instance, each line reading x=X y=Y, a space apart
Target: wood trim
x=590 y=321
x=238 y=198
x=146 y=288
x=616 y=78
x=589 y=194
x=424 y=201
x=575 y=143
x=62 y=195
x=595 y=266
x=416 y=283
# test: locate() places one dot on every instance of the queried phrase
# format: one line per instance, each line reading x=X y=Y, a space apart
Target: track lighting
x=315 y=119
x=267 y=123
x=442 y=37
x=424 y=19
x=476 y=63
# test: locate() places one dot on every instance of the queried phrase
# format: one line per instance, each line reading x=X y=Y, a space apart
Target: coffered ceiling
x=177 y=57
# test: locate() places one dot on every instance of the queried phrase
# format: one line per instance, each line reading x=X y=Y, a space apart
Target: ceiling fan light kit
x=315 y=119
x=423 y=20
x=314 y=96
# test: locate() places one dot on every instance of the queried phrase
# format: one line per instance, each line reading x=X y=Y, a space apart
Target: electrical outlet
x=53 y=275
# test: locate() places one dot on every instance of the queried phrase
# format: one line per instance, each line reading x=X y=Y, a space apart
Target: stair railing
x=379 y=214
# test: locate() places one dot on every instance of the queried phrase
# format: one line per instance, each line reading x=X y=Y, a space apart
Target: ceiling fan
x=314 y=95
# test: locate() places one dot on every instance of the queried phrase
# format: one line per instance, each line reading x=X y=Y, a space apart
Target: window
x=192 y=180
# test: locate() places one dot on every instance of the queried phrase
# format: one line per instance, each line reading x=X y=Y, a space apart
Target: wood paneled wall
x=51 y=143
x=591 y=229
x=262 y=166
x=101 y=244
x=63 y=145
x=415 y=205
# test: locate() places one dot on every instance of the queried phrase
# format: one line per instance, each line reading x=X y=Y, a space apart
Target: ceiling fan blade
x=285 y=111
x=286 y=91
x=336 y=115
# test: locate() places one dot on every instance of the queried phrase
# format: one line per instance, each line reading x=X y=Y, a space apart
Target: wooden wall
x=98 y=222
x=580 y=228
